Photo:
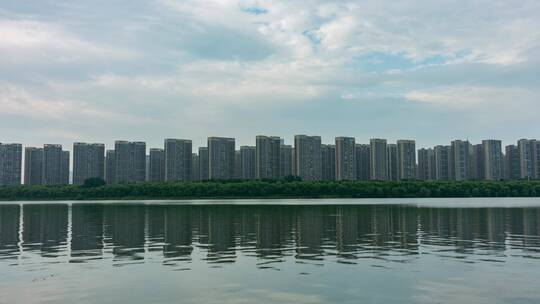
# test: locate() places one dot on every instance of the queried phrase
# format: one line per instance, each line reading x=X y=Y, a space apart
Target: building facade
x=221 y=157
x=54 y=165
x=130 y=161
x=308 y=157
x=328 y=162
x=88 y=162
x=178 y=157
x=267 y=157
x=460 y=160
x=10 y=164
x=392 y=162
x=442 y=162
x=493 y=159
x=247 y=162
x=345 y=158
x=406 y=159
x=363 y=162
x=285 y=161
x=378 y=159
x=203 y=163
x=156 y=165
x=426 y=164
x=511 y=163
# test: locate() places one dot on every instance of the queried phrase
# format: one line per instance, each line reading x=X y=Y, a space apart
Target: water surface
x=282 y=251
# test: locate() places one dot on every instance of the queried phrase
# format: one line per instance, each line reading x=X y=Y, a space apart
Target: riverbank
x=275 y=189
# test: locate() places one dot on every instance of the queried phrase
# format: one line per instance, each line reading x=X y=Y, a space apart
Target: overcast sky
x=101 y=70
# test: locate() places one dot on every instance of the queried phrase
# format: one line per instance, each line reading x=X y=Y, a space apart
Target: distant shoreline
x=279 y=189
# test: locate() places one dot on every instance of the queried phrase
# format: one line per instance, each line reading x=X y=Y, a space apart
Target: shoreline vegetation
x=286 y=188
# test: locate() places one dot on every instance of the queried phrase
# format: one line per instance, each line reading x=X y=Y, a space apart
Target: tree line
x=285 y=188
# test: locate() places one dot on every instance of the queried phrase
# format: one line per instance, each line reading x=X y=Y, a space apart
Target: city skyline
x=270 y=158
x=186 y=69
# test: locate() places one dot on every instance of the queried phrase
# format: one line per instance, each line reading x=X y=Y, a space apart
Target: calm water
x=330 y=251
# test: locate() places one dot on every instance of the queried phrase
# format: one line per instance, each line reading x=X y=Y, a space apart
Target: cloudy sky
x=433 y=71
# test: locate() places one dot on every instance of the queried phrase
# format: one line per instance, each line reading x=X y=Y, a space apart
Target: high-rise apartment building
x=406 y=151
x=511 y=163
x=308 y=157
x=493 y=162
x=285 y=160
x=33 y=166
x=328 y=162
x=203 y=163
x=195 y=173
x=345 y=158
x=156 y=165
x=426 y=164
x=110 y=167
x=247 y=162
x=442 y=162
x=526 y=158
x=392 y=162
x=477 y=162
x=130 y=161
x=378 y=159
x=460 y=160
x=10 y=164
x=363 y=162
x=267 y=157
x=88 y=162
x=65 y=168
x=54 y=163
x=221 y=157
x=178 y=156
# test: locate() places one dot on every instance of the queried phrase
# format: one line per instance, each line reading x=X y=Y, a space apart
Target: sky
x=105 y=70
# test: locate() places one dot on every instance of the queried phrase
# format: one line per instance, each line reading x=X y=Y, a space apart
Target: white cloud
x=29 y=40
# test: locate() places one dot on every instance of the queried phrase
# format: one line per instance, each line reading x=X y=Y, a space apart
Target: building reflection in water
x=220 y=234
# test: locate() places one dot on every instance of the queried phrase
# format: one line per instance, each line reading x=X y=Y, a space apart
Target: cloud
x=29 y=41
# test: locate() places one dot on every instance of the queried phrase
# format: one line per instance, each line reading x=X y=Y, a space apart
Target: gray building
x=110 y=167
x=221 y=157
x=33 y=166
x=460 y=160
x=378 y=159
x=247 y=162
x=477 y=162
x=308 y=157
x=328 y=162
x=156 y=165
x=426 y=164
x=10 y=164
x=363 y=162
x=511 y=163
x=526 y=158
x=406 y=151
x=392 y=163
x=442 y=162
x=345 y=158
x=88 y=162
x=493 y=162
x=267 y=157
x=203 y=163
x=285 y=160
x=54 y=165
x=195 y=173
x=130 y=161
x=178 y=156
x=65 y=168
